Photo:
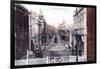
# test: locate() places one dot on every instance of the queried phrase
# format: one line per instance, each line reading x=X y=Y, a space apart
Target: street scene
x=50 y=34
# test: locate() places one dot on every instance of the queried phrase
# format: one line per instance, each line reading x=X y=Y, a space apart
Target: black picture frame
x=12 y=40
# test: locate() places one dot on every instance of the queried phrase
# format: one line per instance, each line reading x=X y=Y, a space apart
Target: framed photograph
x=50 y=34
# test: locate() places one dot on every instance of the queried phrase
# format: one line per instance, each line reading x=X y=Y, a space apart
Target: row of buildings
x=83 y=26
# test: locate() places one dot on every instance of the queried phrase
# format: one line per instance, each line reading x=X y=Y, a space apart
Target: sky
x=54 y=15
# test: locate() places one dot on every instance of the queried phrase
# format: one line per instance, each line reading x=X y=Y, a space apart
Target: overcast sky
x=54 y=15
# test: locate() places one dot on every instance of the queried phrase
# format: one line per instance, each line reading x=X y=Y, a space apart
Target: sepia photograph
x=50 y=34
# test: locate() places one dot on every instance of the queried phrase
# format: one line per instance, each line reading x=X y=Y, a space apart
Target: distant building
x=64 y=27
x=21 y=31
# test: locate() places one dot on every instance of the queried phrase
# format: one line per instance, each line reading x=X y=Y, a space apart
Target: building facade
x=80 y=28
x=21 y=31
x=33 y=29
x=84 y=24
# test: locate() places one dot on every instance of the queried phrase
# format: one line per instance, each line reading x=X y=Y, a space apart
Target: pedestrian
x=55 y=40
x=32 y=45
